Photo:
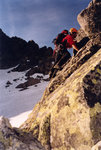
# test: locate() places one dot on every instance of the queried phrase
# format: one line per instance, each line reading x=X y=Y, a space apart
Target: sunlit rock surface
x=68 y=117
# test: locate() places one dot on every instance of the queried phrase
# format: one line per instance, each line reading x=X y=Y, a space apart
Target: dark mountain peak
x=1 y=31
x=32 y=44
x=3 y=35
x=14 y=51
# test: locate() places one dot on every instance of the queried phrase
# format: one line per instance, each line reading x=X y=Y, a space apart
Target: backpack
x=60 y=37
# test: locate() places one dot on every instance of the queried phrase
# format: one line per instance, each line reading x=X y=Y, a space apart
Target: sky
x=39 y=20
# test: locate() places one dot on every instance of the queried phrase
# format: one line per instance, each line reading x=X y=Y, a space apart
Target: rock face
x=14 y=139
x=90 y=18
x=97 y=146
x=14 y=51
x=68 y=116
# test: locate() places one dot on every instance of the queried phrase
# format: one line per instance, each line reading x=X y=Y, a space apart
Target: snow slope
x=16 y=104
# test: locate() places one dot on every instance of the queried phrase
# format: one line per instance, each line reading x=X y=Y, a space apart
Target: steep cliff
x=68 y=115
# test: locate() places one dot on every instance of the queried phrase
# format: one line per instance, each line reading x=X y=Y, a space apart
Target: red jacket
x=69 y=41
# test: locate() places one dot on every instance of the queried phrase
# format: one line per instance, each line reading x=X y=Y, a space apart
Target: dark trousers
x=61 y=58
x=74 y=52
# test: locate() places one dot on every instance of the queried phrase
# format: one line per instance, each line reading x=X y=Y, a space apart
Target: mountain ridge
x=14 y=51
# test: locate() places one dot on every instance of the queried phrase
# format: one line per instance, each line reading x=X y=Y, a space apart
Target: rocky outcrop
x=14 y=139
x=14 y=51
x=90 y=19
x=11 y=50
x=68 y=115
x=38 y=62
x=30 y=81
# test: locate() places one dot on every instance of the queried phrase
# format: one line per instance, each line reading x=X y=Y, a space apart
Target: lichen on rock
x=13 y=138
x=71 y=125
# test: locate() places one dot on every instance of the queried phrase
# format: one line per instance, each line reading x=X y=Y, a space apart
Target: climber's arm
x=75 y=47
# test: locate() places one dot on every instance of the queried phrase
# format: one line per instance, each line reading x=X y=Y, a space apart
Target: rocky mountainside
x=68 y=116
x=21 y=55
x=16 y=51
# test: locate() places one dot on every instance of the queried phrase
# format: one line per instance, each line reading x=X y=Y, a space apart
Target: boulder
x=90 y=19
x=14 y=139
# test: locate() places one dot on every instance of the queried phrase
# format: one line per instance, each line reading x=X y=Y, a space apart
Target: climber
x=67 y=42
x=61 y=53
x=57 y=42
x=57 y=53
x=58 y=50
